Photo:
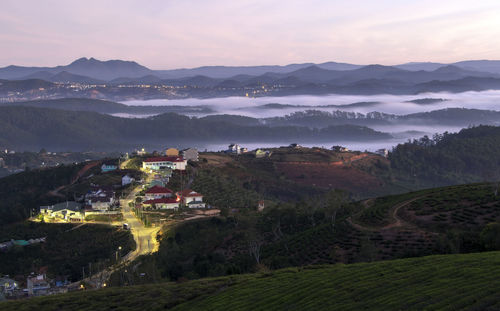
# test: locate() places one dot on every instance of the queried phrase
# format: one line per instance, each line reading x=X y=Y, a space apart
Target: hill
x=106 y=107
x=319 y=119
x=452 y=282
x=471 y=155
x=25 y=192
x=23 y=85
x=34 y=128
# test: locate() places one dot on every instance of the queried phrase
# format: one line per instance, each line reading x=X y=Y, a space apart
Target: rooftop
x=158 y=190
x=189 y=193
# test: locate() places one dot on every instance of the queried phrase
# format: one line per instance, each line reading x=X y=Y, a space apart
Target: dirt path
x=398 y=222
x=76 y=227
x=81 y=172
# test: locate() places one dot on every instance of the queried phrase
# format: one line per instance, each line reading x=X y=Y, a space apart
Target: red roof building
x=158 y=192
x=189 y=195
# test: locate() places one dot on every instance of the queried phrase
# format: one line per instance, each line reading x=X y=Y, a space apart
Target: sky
x=168 y=34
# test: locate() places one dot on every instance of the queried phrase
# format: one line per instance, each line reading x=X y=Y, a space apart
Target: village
x=142 y=201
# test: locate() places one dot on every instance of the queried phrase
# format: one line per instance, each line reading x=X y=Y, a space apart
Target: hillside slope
x=451 y=282
x=33 y=128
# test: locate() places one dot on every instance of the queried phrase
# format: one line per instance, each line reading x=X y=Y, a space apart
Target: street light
x=119 y=249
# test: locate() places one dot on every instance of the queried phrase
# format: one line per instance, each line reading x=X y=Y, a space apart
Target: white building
x=234 y=148
x=161 y=163
x=163 y=203
x=383 y=152
x=127 y=180
x=191 y=199
x=69 y=211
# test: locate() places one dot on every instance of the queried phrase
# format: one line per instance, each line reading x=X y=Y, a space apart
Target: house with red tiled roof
x=163 y=203
x=191 y=199
x=158 y=192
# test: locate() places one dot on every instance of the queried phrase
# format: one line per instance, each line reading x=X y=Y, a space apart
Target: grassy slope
x=450 y=282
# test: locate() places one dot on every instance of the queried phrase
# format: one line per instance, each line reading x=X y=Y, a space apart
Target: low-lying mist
x=265 y=107
x=394 y=104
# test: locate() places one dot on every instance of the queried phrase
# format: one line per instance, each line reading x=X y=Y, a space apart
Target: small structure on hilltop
x=295 y=146
x=340 y=149
x=383 y=152
x=172 y=152
x=234 y=148
x=190 y=154
x=259 y=153
x=140 y=152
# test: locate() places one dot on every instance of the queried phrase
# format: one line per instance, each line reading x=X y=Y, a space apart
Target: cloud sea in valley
x=390 y=104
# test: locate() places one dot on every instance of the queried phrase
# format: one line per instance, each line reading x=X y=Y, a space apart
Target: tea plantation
x=442 y=282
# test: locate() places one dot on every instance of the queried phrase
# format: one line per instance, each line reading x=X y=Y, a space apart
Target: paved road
x=144 y=237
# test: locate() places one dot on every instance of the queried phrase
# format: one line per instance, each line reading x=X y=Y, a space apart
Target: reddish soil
x=329 y=175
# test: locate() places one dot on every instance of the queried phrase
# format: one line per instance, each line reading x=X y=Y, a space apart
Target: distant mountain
x=217 y=81
x=91 y=67
x=65 y=77
x=129 y=71
x=107 y=70
x=148 y=79
x=417 y=66
x=43 y=75
x=460 y=85
x=480 y=65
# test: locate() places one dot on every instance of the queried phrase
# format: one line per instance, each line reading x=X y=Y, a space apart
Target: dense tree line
x=240 y=242
x=471 y=155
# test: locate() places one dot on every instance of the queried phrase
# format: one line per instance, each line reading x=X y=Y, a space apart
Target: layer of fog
x=392 y=104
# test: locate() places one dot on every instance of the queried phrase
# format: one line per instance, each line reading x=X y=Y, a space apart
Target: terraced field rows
x=453 y=282
x=446 y=282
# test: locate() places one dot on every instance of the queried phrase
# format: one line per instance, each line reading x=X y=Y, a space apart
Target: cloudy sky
x=165 y=34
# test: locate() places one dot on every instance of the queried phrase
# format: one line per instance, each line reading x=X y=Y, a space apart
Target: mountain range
x=125 y=80
x=124 y=71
